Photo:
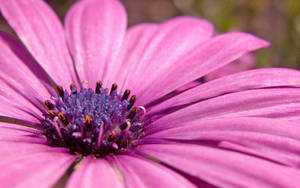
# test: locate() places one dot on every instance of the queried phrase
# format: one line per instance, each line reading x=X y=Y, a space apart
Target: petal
x=95 y=31
x=253 y=79
x=276 y=140
x=223 y=168
x=283 y=103
x=17 y=133
x=201 y=60
x=144 y=173
x=23 y=83
x=36 y=169
x=95 y=173
x=176 y=36
x=134 y=45
x=42 y=33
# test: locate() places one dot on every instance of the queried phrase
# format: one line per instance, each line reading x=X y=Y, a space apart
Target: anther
x=62 y=118
x=73 y=89
x=113 y=88
x=125 y=125
x=49 y=105
x=131 y=102
x=126 y=94
x=132 y=113
x=51 y=113
x=98 y=87
x=60 y=91
x=112 y=136
x=88 y=119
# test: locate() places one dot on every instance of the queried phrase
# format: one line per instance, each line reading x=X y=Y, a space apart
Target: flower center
x=99 y=122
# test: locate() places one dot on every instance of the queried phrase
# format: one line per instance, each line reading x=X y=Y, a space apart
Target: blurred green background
x=277 y=21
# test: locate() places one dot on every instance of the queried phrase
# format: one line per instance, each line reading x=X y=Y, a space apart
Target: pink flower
x=236 y=131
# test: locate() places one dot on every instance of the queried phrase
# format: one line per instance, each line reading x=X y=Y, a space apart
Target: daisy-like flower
x=96 y=105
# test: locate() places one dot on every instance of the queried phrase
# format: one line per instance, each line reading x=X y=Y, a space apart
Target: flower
x=236 y=131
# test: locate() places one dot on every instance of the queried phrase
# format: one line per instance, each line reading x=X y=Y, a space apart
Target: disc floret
x=96 y=122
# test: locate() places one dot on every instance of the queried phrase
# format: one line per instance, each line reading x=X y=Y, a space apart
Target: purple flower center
x=96 y=122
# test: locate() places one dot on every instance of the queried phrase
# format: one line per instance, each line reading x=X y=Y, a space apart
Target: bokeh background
x=277 y=21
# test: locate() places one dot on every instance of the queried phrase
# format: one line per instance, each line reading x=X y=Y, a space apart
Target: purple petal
x=42 y=33
x=201 y=60
x=95 y=31
x=253 y=79
x=276 y=140
x=145 y=173
x=95 y=173
x=223 y=168
x=177 y=36
x=37 y=169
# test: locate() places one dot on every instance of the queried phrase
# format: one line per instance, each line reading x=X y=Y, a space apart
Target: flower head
x=105 y=104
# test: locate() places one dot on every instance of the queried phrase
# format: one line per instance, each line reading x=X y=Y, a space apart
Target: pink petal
x=17 y=133
x=145 y=173
x=95 y=31
x=134 y=45
x=283 y=103
x=42 y=169
x=177 y=36
x=23 y=83
x=253 y=79
x=42 y=33
x=223 y=168
x=201 y=60
x=246 y=62
x=95 y=173
x=273 y=139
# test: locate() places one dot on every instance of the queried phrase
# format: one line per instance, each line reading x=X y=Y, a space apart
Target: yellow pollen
x=51 y=112
x=88 y=119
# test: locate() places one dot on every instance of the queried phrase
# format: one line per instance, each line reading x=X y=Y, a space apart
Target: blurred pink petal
x=94 y=173
x=143 y=173
x=35 y=169
x=223 y=168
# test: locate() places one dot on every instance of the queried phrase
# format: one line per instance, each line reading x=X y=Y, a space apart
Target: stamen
x=126 y=94
x=112 y=136
x=143 y=109
x=132 y=113
x=60 y=91
x=73 y=89
x=131 y=101
x=49 y=105
x=113 y=88
x=125 y=125
x=88 y=119
x=100 y=136
x=98 y=87
x=51 y=113
x=55 y=120
x=62 y=118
